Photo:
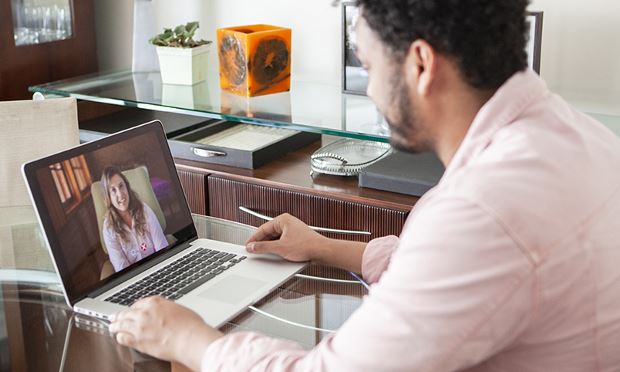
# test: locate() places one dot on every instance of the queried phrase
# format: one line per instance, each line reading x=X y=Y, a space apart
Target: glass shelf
x=309 y=106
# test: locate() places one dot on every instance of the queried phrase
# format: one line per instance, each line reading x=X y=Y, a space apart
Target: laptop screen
x=109 y=205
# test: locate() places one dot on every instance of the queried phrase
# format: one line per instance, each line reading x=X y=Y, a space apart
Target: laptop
x=119 y=229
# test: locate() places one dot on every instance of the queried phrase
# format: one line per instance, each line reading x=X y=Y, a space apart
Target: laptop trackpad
x=232 y=289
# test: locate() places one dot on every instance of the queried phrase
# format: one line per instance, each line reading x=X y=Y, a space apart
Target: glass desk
x=309 y=106
x=39 y=332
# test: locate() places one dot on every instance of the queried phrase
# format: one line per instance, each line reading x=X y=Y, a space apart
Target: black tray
x=185 y=146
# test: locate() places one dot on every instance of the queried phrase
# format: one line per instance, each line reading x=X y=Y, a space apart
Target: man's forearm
x=343 y=254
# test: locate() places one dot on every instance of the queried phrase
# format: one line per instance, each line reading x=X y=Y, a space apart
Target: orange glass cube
x=254 y=60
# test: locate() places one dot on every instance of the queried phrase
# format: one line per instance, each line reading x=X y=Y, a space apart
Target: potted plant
x=182 y=59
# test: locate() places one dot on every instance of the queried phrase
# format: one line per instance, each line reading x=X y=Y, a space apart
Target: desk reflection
x=40 y=333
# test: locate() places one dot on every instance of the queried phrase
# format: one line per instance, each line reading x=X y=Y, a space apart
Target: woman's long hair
x=136 y=210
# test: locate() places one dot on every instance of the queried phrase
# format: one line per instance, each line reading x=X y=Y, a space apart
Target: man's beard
x=405 y=122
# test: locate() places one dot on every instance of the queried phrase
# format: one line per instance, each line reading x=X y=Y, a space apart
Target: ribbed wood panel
x=225 y=196
x=194 y=187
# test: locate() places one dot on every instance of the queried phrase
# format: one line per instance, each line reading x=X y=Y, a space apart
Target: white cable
x=256 y=310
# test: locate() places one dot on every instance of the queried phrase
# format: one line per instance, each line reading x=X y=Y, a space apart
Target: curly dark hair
x=485 y=38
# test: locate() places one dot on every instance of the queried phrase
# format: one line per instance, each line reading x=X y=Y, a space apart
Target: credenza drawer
x=195 y=189
x=225 y=196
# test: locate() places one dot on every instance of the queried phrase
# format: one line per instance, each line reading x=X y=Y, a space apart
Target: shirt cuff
x=376 y=257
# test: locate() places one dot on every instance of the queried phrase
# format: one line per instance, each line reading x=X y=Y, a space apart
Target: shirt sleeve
x=115 y=251
x=377 y=257
x=457 y=290
x=157 y=234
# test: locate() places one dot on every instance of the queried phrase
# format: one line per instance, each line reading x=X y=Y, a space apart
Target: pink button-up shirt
x=511 y=263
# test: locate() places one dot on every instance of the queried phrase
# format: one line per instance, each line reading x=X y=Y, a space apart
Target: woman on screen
x=131 y=230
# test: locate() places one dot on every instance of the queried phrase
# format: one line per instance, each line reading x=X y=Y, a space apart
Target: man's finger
x=146 y=302
x=124 y=314
x=267 y=231
x=273 y=246
x=122 y=325
x=126 y=339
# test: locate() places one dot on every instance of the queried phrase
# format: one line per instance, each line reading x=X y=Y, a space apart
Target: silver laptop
x=119 y=229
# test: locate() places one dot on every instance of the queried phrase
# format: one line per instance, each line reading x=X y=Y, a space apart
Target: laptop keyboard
x=179 y=277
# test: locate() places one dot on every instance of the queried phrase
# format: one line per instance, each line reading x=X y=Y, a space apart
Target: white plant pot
x=186 y=66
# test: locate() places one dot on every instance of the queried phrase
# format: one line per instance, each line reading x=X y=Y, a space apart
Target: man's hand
x=287 y=237
x=165 y=330
x=293 y=240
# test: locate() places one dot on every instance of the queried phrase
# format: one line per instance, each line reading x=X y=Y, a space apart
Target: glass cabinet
x=41 y=21
x=42 y=41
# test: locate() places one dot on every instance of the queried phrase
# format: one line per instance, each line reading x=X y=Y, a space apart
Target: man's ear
x=420 y=66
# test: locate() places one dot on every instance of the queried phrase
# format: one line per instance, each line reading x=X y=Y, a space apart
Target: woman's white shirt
x=124 y=253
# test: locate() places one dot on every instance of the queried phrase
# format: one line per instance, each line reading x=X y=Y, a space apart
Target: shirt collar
x=510 y=100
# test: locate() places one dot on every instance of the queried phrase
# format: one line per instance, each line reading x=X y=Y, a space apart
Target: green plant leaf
x=181 y=37
x=191 y=28
x=179 y=30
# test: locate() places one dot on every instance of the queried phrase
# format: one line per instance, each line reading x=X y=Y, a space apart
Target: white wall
x=580 y=57
x=581 y=52
x=315 y=25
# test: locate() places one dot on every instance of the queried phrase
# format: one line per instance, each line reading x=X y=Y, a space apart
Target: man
x=508 y=264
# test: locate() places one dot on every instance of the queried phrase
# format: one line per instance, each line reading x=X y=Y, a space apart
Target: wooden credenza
x=286 y=186
x=195 y=187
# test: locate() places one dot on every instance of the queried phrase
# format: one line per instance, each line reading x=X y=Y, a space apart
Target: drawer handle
x=207 y=153
x=330 y=280
x=324 y=229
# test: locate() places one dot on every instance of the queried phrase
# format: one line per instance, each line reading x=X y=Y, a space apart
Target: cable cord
x=359 y=279
x=268 y=315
